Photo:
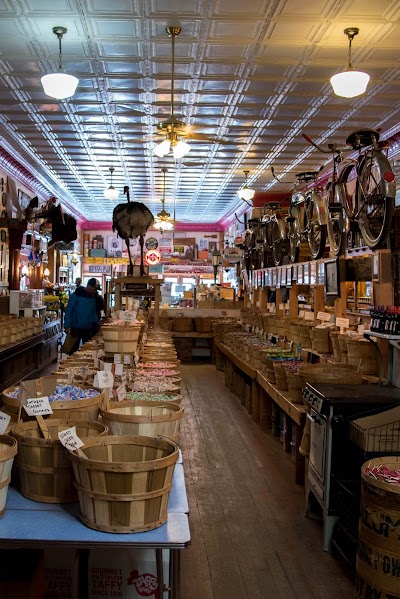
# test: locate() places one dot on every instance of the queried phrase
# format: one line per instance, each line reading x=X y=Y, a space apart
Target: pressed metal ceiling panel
x=250 y=75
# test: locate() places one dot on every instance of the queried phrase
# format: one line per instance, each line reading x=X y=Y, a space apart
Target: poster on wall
x=114 y=246
x=165 y=247
x=203 y=244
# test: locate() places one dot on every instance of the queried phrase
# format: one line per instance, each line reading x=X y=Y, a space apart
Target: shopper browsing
x=81 y=317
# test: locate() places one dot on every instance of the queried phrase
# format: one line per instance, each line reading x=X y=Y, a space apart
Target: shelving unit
x=138 y=287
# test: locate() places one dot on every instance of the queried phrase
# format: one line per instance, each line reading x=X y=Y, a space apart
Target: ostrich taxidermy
x=132 y=220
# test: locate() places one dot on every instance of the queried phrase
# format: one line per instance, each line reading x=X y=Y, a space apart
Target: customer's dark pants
x=81 y=335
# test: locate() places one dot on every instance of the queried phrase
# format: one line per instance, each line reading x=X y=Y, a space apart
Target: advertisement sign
x=232 y=255
x=152 y=257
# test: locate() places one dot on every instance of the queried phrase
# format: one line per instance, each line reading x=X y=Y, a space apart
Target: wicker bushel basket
x=363 y=355
x=124 y=482
x=8 y=449
x=337 y=374
x=204 y=325
x=121 y=339
x=295 y=387
x=146 y=418
x=44 y=468
x=79 y=409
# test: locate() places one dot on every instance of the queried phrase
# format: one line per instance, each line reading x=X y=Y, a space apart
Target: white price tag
x=309 y=316
x=361 y=329
x=114 y=315
x=70 y=439
x=128 y=359
x=107 y=366
x=4 y=421
x=343 y=323
x=324 y=316
x=129 y=315
x=119 y=369
x=38 y=406
x=84 y=372
x=96 y=362
x=117 y=358
x=281 y=307
x=301 y=314
x=104 y=379
x=121 y=392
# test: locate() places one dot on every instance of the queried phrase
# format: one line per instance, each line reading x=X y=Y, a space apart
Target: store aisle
x=250 y=538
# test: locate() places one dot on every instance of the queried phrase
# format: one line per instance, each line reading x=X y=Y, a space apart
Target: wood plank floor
x=250 y=538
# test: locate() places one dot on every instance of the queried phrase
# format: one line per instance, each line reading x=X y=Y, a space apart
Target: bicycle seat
x=307 y=176
x=273 y=206
x=362 y=138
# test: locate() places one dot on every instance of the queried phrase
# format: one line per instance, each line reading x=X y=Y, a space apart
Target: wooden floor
x=250 y=538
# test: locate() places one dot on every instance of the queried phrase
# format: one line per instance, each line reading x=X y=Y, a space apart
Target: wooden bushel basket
x=336 y=374
x=8 y=449
x=146 y=418
x=44 y=468
x=182 y=325
x=121 y=339
x=124 y=482
x=204 y=325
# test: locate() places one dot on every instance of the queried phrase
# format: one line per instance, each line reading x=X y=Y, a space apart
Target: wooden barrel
x=146 y=418
x=8 y=449
x=204 y=324
x=182 y=325
x=79 y=409
x=124 y=482
x=44 y=468
x=378 y=554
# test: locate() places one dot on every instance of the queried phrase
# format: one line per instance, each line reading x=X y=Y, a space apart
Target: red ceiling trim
x=106 y=226
x=15 y=169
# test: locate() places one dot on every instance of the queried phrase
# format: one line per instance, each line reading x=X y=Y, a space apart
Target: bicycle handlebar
x=310 y=141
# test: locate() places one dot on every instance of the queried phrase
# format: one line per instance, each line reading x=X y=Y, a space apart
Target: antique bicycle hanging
x=361 y=192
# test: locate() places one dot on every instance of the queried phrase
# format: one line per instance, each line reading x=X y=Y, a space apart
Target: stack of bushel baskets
x=122 y=475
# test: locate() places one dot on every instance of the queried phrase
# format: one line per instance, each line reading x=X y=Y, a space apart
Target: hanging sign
x=232 y=255
x=152 y=257
x=101 y=269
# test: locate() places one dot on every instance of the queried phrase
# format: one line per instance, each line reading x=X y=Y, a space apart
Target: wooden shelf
x=245 y=367
x=193 y=334
x=294 y=411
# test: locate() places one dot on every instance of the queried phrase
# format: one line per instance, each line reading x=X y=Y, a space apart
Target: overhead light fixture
x=245 y=193
x=111 y=193
x=59 y=85
x=350 y=83
x=172 y=126
x=163 y=221
x=216 y=259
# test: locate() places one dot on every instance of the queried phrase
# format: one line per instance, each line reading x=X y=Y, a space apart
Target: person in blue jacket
x=81 y=315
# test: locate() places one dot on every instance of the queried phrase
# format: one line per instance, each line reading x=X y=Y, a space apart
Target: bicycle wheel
x=375 y=197
x=348 y=181
x=279 y=249
x=315 y=232
x=293 y=236
x=336 y=228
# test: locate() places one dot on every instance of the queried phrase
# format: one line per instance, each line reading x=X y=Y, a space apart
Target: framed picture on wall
x=283 y=276
x=289 y=270
x=306 y=273
x=114 y=245
x=332 y=278
x=375 y=268
x=313 y=273
x=321 y=273
x=300 y=274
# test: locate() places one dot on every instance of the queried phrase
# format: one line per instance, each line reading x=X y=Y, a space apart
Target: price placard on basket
x=38 y=406
x=104 y=379
x=4 y=421
x=343 y=323
x=301 y=314
x=119 y=369
x=324 y=316
x=117 y=358
x=308 y=315
x=128 y=315
x=128 y=359
x=70 y=439
x=121 y=392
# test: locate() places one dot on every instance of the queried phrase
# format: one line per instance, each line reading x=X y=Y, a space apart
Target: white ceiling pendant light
x=172 y=126
x=245 y=193
x=59 y=85
x=350 y=83
x=163 y=221
x=111 y=193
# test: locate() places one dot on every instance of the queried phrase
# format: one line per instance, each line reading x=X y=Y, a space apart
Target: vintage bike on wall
x=307 y=217
x=360 y=195
x=265 y=237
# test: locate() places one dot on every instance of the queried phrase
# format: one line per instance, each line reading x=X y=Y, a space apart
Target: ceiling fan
x=173 y=128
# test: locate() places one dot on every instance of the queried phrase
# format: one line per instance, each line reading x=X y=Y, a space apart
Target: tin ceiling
x=253 y=73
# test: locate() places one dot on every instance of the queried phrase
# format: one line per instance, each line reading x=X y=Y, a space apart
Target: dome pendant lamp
x=350 y=83
x=163 y=220
x=111 y=193
x=59 y=85
x=245 y=193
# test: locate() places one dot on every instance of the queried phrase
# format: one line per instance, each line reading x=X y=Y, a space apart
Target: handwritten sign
x=119 y=369
x=301 y=314
x=104 y=379
x=342 y=323
x=129 y=315
x=117 y=358
x=324 y=316
x=70 y=439
x=121 y=392
x=361 y=329
x=4 y=421
x=128 y=359
x=308 y=315
x=38 y=406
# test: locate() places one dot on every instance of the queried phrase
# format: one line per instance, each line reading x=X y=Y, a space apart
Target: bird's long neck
x=126 y=192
